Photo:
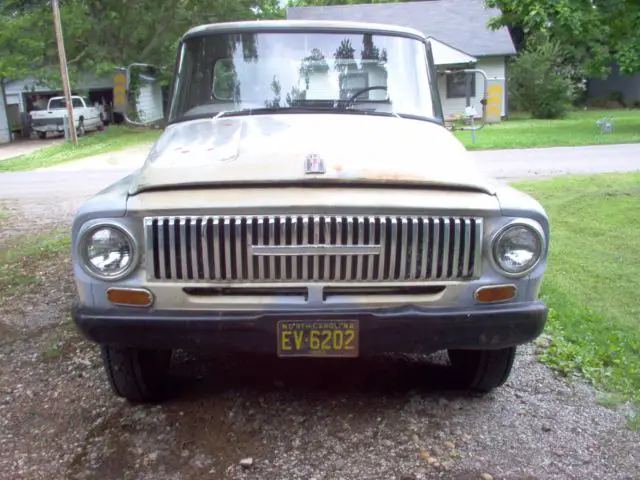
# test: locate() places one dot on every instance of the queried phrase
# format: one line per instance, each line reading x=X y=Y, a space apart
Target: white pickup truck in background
x=87 y=117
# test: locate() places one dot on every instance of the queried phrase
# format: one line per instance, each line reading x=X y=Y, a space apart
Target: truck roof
x=303 y=25
x=62 y=97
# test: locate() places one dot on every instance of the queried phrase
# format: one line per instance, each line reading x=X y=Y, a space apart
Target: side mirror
x=138 y=94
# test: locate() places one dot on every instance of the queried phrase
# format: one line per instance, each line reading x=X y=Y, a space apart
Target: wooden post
x=64 y=73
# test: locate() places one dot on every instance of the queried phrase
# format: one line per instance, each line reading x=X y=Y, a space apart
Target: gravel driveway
x=383 y=418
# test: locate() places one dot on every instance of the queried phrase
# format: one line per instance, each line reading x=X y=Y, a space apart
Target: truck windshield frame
x=286 y=70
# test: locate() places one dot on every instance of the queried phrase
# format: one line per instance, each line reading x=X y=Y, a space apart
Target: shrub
x=539 y=82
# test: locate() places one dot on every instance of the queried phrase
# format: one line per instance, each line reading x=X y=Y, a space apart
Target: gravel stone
x=301 y=419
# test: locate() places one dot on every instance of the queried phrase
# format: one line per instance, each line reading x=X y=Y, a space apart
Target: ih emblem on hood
x=314 y=164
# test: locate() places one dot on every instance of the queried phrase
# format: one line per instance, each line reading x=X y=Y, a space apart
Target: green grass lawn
x=593 y=281
x=112 y=139
x=578 y=128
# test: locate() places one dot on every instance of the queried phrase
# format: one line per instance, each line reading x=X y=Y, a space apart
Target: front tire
x=482 y=370
x=136 y=374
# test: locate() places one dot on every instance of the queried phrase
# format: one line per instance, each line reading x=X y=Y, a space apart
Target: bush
x=538 y=81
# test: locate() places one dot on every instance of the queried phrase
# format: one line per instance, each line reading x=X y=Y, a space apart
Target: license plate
x=318 y=338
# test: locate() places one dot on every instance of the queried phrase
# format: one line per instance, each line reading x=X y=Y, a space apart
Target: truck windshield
x=281 y=70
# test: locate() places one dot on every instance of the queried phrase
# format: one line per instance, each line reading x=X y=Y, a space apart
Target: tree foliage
x=594 y=33
x=325 y=3
x=102 y=34
x=539 y=81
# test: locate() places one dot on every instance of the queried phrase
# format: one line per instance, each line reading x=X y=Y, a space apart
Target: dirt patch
x=380 y=418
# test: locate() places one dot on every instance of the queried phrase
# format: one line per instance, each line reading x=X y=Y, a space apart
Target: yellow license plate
x=318 y=338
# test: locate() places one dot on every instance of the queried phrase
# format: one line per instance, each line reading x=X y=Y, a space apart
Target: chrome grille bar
x=360 y=258
x=304 y=248
x=372 y=241
x=172 y=247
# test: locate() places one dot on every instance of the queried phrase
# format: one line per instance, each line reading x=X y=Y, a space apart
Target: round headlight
x=517 y=249
x=108 y=252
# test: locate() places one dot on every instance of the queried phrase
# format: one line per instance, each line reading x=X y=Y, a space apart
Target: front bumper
x=399 y=329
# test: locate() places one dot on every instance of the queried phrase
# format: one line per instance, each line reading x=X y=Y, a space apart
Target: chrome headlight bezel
x=532 y=226
x=82 y=250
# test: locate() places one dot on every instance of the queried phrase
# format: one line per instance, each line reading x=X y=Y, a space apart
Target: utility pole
x=64 y=73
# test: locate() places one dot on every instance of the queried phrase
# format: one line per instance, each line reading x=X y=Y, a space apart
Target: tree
x=593 y=33
x=325 y=3
x=539 y=82
x=103 y=34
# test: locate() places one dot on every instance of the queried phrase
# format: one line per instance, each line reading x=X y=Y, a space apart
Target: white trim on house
x=444 y=54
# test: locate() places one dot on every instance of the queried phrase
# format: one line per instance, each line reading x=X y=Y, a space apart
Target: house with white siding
x=26 y=94
x=149 y=105
x=460 y=37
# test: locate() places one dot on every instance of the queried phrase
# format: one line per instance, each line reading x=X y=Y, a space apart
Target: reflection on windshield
x=230 y=72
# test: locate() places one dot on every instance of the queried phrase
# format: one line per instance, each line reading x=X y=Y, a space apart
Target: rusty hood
x=348 y=149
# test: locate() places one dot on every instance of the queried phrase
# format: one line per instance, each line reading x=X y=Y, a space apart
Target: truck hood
x=273 y=149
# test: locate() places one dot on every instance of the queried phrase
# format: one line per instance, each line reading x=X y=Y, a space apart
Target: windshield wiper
x=306 y=109
x=268 y=110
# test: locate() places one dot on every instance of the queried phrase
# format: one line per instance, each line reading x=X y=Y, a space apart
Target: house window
x=457 y=85
x=353 y=82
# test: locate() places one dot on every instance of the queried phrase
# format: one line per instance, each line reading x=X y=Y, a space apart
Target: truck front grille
x=307 y=248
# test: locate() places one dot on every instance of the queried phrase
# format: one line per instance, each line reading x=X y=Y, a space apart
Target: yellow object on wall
x=495 y=96
x=120 y=92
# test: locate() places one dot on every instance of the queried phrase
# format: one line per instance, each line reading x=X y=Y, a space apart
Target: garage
x=26 y=95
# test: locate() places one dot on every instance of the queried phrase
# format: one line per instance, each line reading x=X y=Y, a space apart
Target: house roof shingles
x=459 y=23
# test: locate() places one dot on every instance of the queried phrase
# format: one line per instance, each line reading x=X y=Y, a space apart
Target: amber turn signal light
x=495 y=293
x=135 y=297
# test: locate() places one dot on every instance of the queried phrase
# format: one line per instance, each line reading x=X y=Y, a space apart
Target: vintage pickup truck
x=88 y=117
x=306 y=200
